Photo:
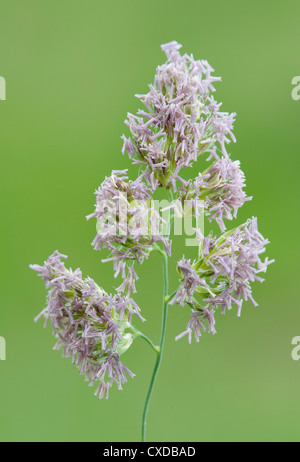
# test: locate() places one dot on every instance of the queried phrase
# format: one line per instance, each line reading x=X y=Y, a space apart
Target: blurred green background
x=72 y=69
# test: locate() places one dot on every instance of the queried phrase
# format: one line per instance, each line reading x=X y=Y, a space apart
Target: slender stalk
x=161 y=345
x=147 y=339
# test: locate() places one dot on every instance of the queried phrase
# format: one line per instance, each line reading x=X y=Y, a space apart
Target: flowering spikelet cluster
x=127 y=225
x=221 y=275
x=92 y=327
x=220 y=190
x=180 y=122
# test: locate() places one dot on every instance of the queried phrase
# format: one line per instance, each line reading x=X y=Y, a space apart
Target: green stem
x=161 y=346
x=147 y=339
x=168 y=298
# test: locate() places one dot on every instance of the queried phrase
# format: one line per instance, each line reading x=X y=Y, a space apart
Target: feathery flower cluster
x=181 y=120
x=221 y=275
x=92 y=327
x=127 y=225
